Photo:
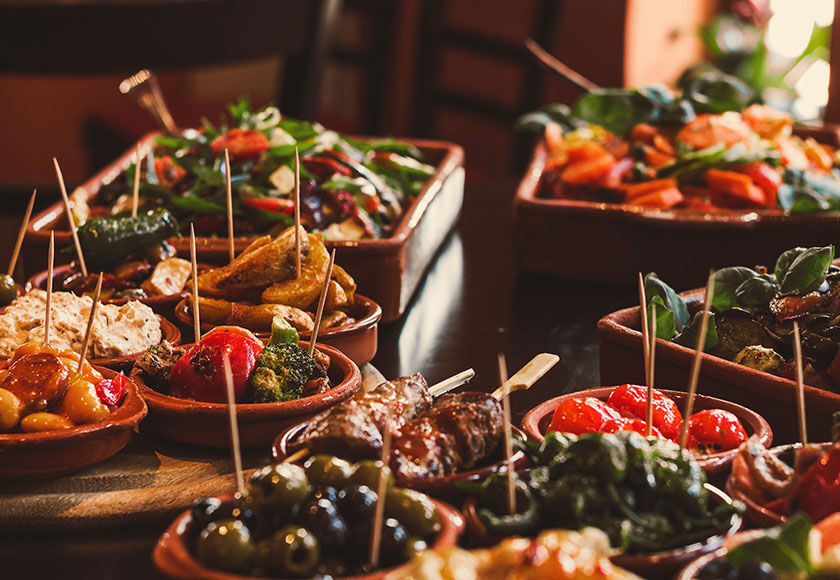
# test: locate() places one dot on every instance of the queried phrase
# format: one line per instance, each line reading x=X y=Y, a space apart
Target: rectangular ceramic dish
x=773 y=397
x=611 y=243
x=387 y=270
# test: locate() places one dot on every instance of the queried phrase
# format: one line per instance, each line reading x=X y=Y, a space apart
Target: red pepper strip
x=715 y=430
x=167 y=173
x=631 y=401
x=273 y=204
x=323 y=168
x=766 y=177
x=617 y=172
x=585 y=415
x=111 y=392
x=818 y=491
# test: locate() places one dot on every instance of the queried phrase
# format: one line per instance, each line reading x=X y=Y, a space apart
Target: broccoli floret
x=282 y=369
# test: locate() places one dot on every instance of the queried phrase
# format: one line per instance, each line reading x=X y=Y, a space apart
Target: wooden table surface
x=471 y=306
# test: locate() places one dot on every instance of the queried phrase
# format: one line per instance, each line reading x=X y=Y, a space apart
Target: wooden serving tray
x=611 y=243
x=621 y=361
x=387 y=270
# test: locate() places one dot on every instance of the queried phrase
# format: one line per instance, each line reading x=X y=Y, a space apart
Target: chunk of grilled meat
x=455 y=435
x=353 y=429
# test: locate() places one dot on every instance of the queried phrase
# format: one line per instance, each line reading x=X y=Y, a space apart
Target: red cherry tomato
x=713 y=430
x=624 y=424
x=111 y=391
x=241 y=144
x=167 y=173
x=583 y=415
x=200 y=375
x=631 y=401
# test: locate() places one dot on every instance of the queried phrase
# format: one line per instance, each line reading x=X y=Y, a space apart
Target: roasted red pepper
x=323 y=168
x=631 y=401
x=818 y=491
x=241 y=144
x=111 y=391
x=584 y=415
x=273 y=204
x=714 y=430
x=766 y=177
x=200 y=375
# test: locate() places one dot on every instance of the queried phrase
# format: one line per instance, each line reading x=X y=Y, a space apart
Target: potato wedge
x=258 y=317
x=214 y=311
x=345 y=280
x=302 y=292
x=334 y=318
x=336 y=297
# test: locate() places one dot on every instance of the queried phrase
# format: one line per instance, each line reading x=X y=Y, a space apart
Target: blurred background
x=445 y=69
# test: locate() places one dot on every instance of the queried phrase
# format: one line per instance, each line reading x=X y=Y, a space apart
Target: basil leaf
x=808 y=271
x=534 y=122
x=727 y=281
x=617 y=110
x=784 y=261
x=758 y=291
x=665 y=327
x=193 y=203
x=786 y=548
x=672 y=301
x=717 y=92
x=795 y=533
x=691 y=333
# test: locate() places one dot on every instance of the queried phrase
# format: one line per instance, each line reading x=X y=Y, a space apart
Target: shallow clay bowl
x=755 y=513
x=54 y=453
x=443 y=487
x=169 y=333
x=692 y=569
x=658 y=564
x=163 y=305
x=172 y=555
x=536 y=421
x=357 y=340
x=200 y=423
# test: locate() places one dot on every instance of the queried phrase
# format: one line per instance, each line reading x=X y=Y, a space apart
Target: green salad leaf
x=785 y=548
x=801 y=271
x=672 y=301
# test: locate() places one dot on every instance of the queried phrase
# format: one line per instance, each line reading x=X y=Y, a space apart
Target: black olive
x=756 y=571
x=291 y=551
x=393 y=545
x=329 y=493
x=320 y=517
x=210 y=509
x=8 y=289
x=357 y=503
x=717 y=569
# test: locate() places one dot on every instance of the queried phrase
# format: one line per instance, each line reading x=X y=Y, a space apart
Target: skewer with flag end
x=698 y=356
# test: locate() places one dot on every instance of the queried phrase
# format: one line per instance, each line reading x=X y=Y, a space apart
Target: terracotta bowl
x=163 y=305
x=174 y=559
x=443 y=487
x=757 y=514
x=200 y=423
x=658 y=564
x=391 y=269
x=536 y=421
x=54 y=453
x=356 y=340
x=170 y=333
x=620 y=356
x=692 y=569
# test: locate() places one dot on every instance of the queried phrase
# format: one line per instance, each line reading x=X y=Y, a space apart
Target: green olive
x=226 y=545
x=8 y=290
x=291 y=551
x=328 y=471
x=279 y=486
x=414 y=510
x=367 y=473
x=414 y=547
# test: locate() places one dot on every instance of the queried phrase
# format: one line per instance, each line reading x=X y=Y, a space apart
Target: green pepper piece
x=525 y=521
x=599 y=454
x=282 y=332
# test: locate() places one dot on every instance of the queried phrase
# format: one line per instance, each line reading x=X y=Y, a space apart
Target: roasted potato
x=302 y=292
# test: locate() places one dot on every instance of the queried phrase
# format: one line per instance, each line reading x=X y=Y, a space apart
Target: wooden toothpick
x=698 y=356
x=297 y=212
x=650 y=374
x=21 y=234
x=135 y=191
x=645 y=330
x=48 y=304
x=89 y=328
x=196 y=317
x=70 y=219
x=234 y=426
x=228 y=190
x=800 y=384
x=379 y=512
x=321 y=301
x=511 y=482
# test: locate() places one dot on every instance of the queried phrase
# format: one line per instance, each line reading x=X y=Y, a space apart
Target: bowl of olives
x=305 y=521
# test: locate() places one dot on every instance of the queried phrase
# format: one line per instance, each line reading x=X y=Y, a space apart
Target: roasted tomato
x=241 y=144
x=631 y=401
x=714 y=430
x=167 y=173
x=624 y=424
x=585 y=415
x=200 y=375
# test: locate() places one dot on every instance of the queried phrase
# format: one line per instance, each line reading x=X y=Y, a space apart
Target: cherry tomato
x=818 y=492
x=241 y=144
x=584 y=415
x=200 y=375
x=713 y=430
x=624 y=424
x=167 y=173
x=111 y=392
x=631 y=401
